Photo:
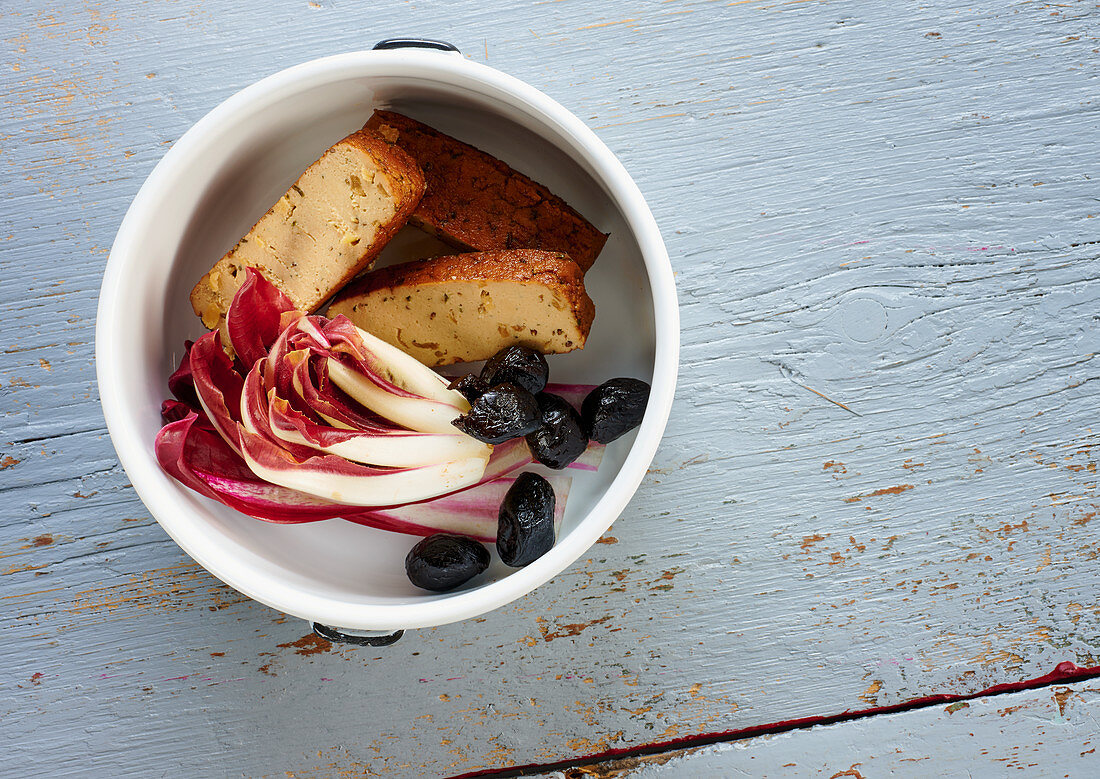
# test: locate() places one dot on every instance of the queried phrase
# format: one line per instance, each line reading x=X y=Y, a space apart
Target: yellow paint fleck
x=22 y=568
x=870 y=695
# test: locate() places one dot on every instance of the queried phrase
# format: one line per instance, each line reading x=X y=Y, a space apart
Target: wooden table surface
x=879 y=478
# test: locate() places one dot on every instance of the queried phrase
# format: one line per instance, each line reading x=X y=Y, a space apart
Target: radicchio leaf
x=257 y=315
x=311 y=383
x=180 y=383
x=218 y=386
x=191 y=450
x=174 y=411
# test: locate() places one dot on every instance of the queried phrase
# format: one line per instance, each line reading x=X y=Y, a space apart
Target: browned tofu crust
x=473 y=201
x=553 y=269
x=210 y=301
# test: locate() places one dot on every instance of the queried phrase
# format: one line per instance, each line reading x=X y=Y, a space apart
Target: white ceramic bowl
x=217 y=180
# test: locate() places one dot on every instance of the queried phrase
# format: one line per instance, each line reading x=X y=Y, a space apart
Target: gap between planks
x=615 y=761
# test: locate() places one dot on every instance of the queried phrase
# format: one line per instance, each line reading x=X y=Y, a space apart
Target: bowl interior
x=237 y=169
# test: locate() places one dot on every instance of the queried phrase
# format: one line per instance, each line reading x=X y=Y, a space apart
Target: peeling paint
x=883 y=491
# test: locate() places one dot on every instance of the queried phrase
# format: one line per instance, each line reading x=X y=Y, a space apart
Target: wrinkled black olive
x=470 y=385
x=518 y=365
x=525 y=530
x=560 y=438
x=503 y=412
x=441 y=562
x=614 y=408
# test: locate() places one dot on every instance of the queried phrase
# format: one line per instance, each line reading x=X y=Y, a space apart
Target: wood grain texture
x=879 y=479
x=1049 y=732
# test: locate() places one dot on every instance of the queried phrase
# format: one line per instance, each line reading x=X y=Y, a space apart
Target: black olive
x=613 y=408
x=441 y=562
x=560 y=438
x=525 y=529
x=518 y=365
x=503 y=412
x=470 y=385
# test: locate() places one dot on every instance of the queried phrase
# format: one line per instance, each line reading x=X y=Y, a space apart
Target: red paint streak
x=36 y=678
x=1066 y=672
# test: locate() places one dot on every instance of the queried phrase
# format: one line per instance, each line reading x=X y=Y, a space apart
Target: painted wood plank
x=1050 y=731
x=879 y=478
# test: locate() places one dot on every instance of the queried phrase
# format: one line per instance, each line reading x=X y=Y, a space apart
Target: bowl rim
x=145 y=473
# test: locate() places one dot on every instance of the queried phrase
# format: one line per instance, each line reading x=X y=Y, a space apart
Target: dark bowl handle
x=339 y=637
x=414 y=43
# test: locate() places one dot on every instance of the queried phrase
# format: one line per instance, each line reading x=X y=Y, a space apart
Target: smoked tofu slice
x=475 y=202
x=467 y=307
x=328 y=227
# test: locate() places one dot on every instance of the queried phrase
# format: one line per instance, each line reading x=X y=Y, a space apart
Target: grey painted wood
x=1046 y=732
x=879 y=478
